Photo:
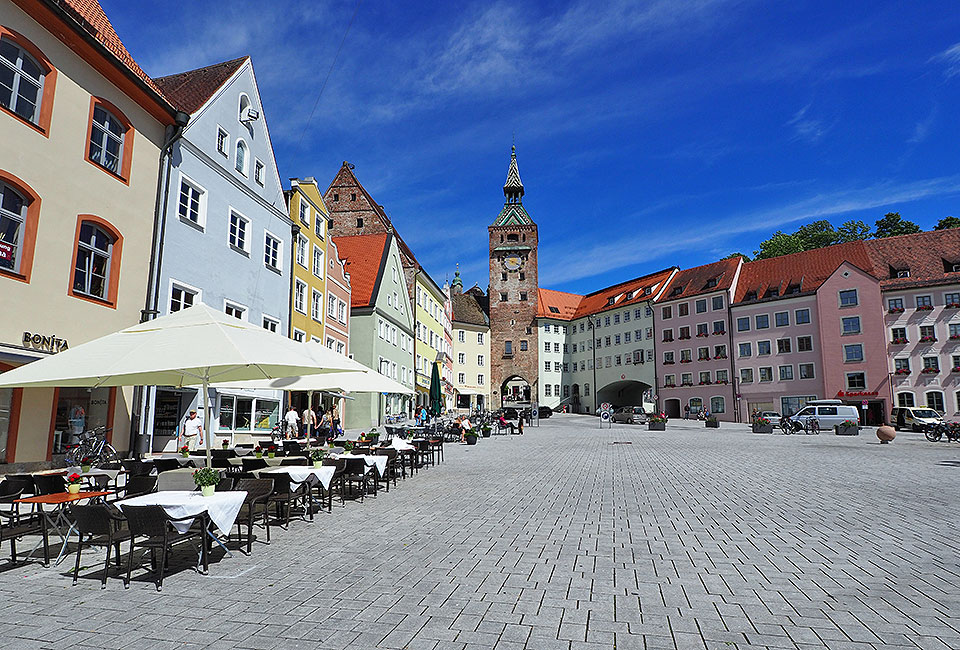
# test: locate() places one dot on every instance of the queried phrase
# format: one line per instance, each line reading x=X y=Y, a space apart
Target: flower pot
x=846 y=431
x=73 y=488
x=317 y=464
x=185 y=454
x=85 y=468
x=471 y=440
x=271 y=454
x=712 y=425
x=762 y=428
x=656 y=426
x=208 y=490
x=259 y=454
x=486 y=433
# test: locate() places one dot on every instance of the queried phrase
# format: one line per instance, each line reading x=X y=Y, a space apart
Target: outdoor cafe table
x=59 y=499
x=221 y=508
x=380 y=462
x=299 y=474
x=184 y=461
x=272 y=462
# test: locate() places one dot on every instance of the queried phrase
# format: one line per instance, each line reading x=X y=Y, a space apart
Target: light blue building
x=226 y=236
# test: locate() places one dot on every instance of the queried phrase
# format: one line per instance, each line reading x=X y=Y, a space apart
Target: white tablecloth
x=380 y=462
x=96 y=471
x=298 y=474
x=180 y=459
x=272 y=462
x=223 y=507
x=401 y=445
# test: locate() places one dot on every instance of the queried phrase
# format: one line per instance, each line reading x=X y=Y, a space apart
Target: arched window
x=21 y=81
x=244 y=105
x=241 y=163
x=13 y=221
x=716 y=405
x=695 y=404
x=107 y=135
x=91 y=275
x=513 y=238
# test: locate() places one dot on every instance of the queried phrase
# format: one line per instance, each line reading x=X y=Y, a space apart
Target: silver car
x=630 y=415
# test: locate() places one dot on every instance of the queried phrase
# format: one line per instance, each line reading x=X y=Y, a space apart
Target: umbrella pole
x=206 y=419
x=311 y=424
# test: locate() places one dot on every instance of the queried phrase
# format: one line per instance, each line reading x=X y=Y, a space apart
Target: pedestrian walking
x=335 y=421
x=191 y=433
x=686 y=412
x=291 y=421
x=309 y=421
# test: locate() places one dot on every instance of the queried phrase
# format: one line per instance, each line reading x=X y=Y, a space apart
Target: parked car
x=915 y=418
x=510 y=412
x=630 y=415
x=542 y=411
x=829 y=412
x=773 y=416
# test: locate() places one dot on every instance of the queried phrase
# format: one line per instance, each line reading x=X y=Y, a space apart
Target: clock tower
x=513 y=298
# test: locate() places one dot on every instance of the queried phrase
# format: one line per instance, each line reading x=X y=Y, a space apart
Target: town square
x=568 y=325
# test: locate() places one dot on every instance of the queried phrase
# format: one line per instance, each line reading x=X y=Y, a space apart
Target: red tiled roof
x=693 y=282
x=94 y=21
x=564 y=303
x=363 y=259
x=191 y=90
x=599 y=301
x=804 y=271
x=927 y=255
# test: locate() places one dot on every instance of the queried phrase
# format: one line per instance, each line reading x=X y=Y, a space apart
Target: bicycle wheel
x=814 y=427
x=108 y=455
x=932 y=434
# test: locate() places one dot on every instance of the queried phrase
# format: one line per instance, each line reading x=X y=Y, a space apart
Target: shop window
x=79 y=410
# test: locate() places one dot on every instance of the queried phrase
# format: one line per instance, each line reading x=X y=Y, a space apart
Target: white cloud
x=921 y=130
x=807 y=128
x=950 y=57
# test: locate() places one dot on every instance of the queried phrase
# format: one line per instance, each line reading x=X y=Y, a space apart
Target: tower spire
x=513 y=187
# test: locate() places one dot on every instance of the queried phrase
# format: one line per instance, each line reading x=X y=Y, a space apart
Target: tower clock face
x=511 y=263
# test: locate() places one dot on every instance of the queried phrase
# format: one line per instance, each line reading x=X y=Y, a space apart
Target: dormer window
x=793 y=288
x=611 y=300
x=751 y=295
x=676 y=291
x=772 y=292
x=554 y=310
x=711 y=283
x=899 y=273
x=950 y=266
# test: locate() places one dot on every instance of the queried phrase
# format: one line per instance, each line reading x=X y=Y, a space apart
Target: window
x=718 y=302
x=722 y=376
x=235 y=310
x=547 y=390
x=935 y=400
x=302 y=246
x=566 y=391
x=851 y=325
x=848 y=298
x=801 y=316
x=924 y=302
x=271 y=251
x=304 y=212
x=955 y=331
x=22 y=81
x=523 y=296
x=299 y=336
x=804 y=343
x=782 y=318
x=856 y=380
x=108 y=139
x=300 y=297
x=523 y=346
x=331 y=305
x=701 y=306
x=686 y=356
x=616 y=319
x=193 y=202
x=716 y=404
x=238 y=232
x=903 y=365
x=951 y=299
x=786 y=373
x=905 y=399
x=763 y=347
x=240 y=162
x=546 y=366
x=181 y=297
x=258 y=173
x=668 y=357
x=461 y=358
x=606 y=321
x=898 y=335
x=341 y=311
x=223 y=141
x=743 y=324
x=667 y=313
x=766 y=374
x=479 y=380
x=626 y=337
x=557 y=365
x=705 y=377
x=318 y=262
x=626 y=316
x=503 y=297
x=928 y=333
x=617 y=360
x=719 y=327
x=746 y=375
x=895 y=305
x=806 y=370
x=703 y=354
x=606 y=342
x=18 y=225
x=95 y=250
x=270 y=324
x=359 y=221
x=762 y=321
x=783 y=346
x=853 y=353
x=686 y=379
x=931 y=364
x=744 y=350
x=683 y=309
x=667 y=335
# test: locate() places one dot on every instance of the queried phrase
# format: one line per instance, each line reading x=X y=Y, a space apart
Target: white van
x=829 y=412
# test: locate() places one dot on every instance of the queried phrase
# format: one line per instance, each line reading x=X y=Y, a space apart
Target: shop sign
x=6 y=252
x=46 y=343
x=857 y=393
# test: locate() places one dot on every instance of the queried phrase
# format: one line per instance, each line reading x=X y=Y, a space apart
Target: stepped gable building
x=471 y=347
x=513 y=295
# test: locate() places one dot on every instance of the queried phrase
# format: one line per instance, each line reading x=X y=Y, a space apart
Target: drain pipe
x=149 y=312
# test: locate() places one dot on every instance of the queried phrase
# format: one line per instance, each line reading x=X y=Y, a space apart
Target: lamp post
x=593 y=347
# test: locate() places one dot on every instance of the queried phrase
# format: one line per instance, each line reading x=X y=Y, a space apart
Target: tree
x=854 y=230
x=947 y=222
x=816 y=235
x=746 y=258
x=779 y=244
x=893 y=224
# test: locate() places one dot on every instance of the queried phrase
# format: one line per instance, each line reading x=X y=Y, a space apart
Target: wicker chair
x=296 y=460
x=339 y=465
x=100 y=525
x=390 y=473
x=14 y=525
x=285 y=497
x=49 y=484
x=256 y=503
x=166 y=464
x=355 y=473
x=137 y=485
x=252 y=464
x=155 y=527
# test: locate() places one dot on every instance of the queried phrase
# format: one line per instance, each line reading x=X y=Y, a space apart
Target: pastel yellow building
x=432 y=326
x=309 y=290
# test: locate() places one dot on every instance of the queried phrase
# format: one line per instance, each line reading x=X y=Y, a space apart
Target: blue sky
x=648 y=133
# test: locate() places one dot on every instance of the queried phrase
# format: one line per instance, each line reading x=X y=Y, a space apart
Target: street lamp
x=593 y=347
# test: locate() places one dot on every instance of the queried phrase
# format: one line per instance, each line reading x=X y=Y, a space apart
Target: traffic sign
x=605 y=406
x=864 y=403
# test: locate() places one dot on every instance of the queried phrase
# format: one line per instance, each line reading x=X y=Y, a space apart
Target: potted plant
x=185 y=451
x=206 y=478
x=85 y=464
x=317 y=456
x=657 y=422
x=258 y=450
x=470 y=437
x=272 y=451
x=372 y=437
x=73 y=483
x=225 y=443
x=762 y=425
x=485 y=430
x=347 y=446
x=847 y=428
x=712 y=422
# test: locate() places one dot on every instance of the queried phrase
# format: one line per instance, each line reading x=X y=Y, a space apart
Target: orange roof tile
x=557 y=304
x=363 y=257
x=630 y=292
x=190 y=90
x=928 y=256
x=798 y=273
x=693 y=282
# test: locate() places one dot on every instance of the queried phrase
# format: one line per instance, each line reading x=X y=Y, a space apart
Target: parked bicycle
x=93 y=449
x=936 y=432
x=809 y=426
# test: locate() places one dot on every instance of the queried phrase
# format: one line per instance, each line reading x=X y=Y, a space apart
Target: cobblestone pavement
x=687 y=538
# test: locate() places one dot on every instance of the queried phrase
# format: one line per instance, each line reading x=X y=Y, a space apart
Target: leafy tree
x=853 y=230
x=779 y=244
x=816 y=235
x=947 y=222
x=746 y=258
x=893 y=224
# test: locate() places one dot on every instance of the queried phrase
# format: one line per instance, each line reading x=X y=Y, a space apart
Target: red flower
x=74 y=478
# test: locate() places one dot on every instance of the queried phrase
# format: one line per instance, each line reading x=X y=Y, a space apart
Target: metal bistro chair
x=296 y=461
x=155 y=527
x=136 y=468
x=258 y=495
x=101 y=525
x=285 y=497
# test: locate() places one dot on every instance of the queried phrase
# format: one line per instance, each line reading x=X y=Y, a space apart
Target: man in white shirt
x=309 y=421
x=192 y=430
x=292 y=421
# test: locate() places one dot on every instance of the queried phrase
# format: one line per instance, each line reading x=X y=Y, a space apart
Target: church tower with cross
x=514 y=361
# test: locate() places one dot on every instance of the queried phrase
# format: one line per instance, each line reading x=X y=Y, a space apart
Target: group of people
x=295 y=426
x=507 y=424
x=698 y=413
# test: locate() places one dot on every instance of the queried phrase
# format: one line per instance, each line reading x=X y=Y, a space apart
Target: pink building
x=693 y=341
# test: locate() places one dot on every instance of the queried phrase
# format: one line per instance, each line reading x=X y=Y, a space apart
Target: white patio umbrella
x=364 y=381
x=191 y=347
